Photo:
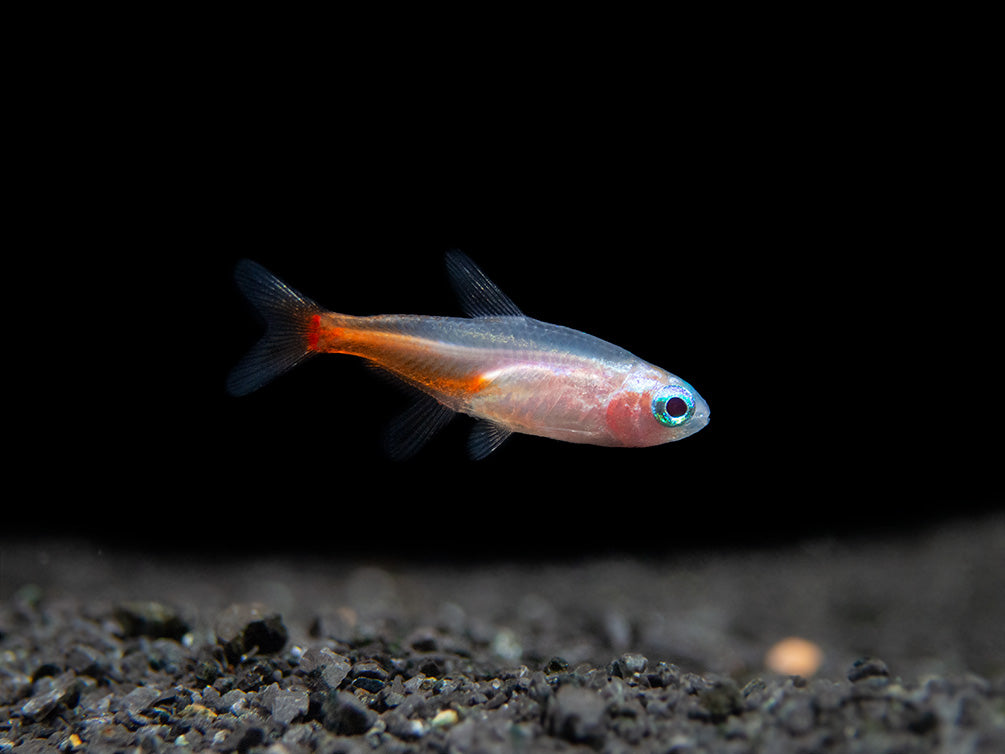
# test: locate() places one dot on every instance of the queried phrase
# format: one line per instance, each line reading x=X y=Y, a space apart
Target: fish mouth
x=700 y=417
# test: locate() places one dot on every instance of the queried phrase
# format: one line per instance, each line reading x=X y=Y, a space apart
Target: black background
x=803 y=244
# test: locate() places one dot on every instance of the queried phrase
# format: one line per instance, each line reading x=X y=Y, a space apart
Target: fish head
x=654 y=407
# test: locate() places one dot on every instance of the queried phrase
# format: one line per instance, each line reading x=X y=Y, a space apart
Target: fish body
x=511 y=372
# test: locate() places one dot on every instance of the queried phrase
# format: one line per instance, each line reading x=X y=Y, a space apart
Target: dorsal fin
x=479 y=296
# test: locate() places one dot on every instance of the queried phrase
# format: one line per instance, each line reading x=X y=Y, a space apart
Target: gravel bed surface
x=108 y=651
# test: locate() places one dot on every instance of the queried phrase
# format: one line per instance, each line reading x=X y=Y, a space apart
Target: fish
x=510 y=372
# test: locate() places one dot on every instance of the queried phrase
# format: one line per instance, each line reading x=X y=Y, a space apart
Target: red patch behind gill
x=630 y=420
x=623 y=414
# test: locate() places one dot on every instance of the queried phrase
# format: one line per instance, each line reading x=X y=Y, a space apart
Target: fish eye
x=673 y=406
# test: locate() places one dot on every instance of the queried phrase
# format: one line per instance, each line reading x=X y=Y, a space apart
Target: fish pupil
x=676 y=407
x=673 y=407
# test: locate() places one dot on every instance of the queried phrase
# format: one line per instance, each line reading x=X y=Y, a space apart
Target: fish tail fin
x=292 y=323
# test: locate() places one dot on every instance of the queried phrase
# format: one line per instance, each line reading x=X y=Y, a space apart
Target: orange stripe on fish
x=399 y=353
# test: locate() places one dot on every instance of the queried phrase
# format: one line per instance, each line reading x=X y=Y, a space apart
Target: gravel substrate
x=120 y=652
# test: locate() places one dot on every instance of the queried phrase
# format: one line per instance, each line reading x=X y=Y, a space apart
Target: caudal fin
x=290 y=321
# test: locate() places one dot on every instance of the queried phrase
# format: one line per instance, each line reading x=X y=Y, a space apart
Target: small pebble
x=867 y=667
x=577 y=715
x=284 y=704
x=346 y=715
x=151 y=619
x=51 y=693
x=794 y=656
x=444 y=718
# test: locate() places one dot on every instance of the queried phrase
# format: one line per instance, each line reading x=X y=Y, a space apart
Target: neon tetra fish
x=510 y=372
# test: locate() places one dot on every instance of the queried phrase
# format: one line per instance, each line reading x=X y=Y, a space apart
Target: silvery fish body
x=512 y=372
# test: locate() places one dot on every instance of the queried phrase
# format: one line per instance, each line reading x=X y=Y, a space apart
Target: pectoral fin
x=485 y=437
x=416 y=426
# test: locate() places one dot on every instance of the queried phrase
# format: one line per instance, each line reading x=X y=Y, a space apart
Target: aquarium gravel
x=130 y=652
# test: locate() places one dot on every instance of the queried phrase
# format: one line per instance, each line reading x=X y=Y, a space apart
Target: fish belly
x=560 y=400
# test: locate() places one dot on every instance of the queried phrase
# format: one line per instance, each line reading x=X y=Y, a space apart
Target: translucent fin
x=486 y=437
x=407 y=434
x=479 y=296
x=288 y=318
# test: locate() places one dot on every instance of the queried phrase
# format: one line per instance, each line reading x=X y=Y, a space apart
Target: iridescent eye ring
x=673 y=406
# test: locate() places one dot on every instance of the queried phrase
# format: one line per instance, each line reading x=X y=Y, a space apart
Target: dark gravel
x=115 y=651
